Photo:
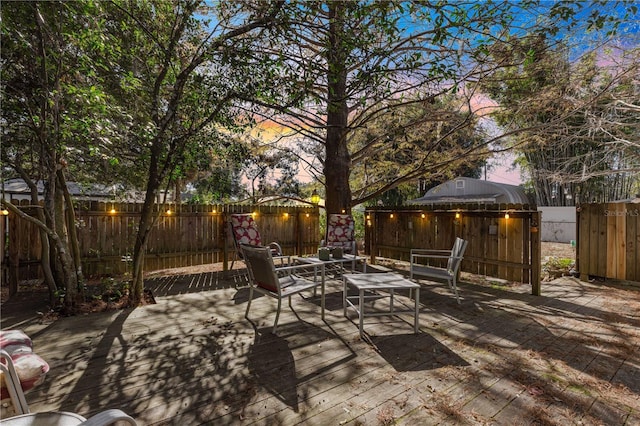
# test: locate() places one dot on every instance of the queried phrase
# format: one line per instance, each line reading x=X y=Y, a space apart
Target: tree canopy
x=574 y=123
x=350 y=66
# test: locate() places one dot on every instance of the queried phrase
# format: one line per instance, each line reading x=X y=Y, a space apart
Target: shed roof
x=469 y=190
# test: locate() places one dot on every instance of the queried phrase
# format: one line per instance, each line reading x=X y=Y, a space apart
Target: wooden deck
x=504 y=357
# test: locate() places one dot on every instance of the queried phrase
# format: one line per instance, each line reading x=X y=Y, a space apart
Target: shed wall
x=558 y=224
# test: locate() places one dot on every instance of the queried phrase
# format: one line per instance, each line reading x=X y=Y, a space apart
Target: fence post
x=299 y=231
x=372 y=234
x=223 y=243
x=14 y=255
x=536 y=262
x=3 y=226
x=578 y=209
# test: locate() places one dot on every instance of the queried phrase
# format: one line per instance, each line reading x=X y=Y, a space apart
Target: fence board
x=503 y=247
x=633 y=249
x=475 y=232
x=492 y=248
x=609 y=241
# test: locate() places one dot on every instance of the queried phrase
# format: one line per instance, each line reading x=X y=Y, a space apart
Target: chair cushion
x=344 y=245
x=262 y=268
x=245 y=230
x=15 y=340
x=31 y=370
x=340 y=231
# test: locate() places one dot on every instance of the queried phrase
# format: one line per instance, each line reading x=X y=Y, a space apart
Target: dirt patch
x=560 y=250
x=33 y=296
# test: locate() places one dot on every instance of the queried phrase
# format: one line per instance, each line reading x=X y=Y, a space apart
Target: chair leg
x=235 y=256
x=246 y=313
x=275 y=324
x=453 y=286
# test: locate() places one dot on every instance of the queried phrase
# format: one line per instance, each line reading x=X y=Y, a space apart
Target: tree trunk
x=65 y=261
x=140 y=247
x=72 y=234
x=147 y=220
x=45 y=248
x=338 y=189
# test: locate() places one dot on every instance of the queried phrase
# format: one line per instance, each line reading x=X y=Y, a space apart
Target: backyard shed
x=476 y=191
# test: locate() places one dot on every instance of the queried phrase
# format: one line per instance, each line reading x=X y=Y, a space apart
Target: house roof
x=17 y=188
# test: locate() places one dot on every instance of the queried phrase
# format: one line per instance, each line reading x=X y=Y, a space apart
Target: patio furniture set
x=282 y=282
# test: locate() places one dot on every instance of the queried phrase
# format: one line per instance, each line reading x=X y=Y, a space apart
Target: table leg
x=322 y=290
x=361 y=313
x=416 y=326
x=344 y=296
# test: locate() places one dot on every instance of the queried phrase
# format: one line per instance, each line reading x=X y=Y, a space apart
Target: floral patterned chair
x=20 y=370
x=20 y=363
x=340 y=233
x=245 y=231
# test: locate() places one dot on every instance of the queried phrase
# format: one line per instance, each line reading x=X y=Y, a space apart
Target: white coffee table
x=376 y=283
x=314 y=260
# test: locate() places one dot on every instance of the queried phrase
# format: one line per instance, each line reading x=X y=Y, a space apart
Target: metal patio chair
x=278 y=283
x=448 y=273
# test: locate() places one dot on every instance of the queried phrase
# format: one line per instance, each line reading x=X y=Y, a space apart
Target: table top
x=386 y=280
x=314 y=259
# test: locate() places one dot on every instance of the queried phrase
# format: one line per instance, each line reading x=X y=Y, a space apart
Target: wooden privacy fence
x=609 y=241
x=184 y=235
x=500 y=247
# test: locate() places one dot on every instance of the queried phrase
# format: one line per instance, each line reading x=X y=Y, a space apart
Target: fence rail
x=500 y=247
x=184 y=235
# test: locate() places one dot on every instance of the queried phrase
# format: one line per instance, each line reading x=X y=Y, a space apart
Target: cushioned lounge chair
x=25 y=417
x=340 y=233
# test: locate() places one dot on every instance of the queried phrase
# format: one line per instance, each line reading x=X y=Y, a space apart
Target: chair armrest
x=12 y=382
x=292 y=268
x=275 y=245
x=430 y=256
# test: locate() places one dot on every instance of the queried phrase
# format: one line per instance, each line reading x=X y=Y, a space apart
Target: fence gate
x=609 y=241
